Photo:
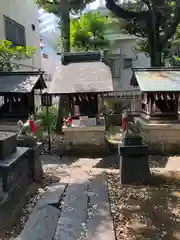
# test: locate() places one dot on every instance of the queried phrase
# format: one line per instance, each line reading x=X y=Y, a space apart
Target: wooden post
x=49 y=132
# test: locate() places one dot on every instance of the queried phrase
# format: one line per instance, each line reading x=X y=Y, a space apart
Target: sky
x=96 y=4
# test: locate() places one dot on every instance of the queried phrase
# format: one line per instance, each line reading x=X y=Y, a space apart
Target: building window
x=44 y=55
x=14 y=32
x=115 y=68
x=127 y=63
x=33 y=27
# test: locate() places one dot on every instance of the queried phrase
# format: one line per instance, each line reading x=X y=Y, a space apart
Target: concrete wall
x=24 y=12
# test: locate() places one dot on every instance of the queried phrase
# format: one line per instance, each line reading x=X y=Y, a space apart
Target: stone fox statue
x=125 y=123
x=29 y=127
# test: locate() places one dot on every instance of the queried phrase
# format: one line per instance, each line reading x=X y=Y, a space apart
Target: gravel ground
x=146 y=212
x=139 y=212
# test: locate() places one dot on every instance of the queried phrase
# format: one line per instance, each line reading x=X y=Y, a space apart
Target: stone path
x=76 y=208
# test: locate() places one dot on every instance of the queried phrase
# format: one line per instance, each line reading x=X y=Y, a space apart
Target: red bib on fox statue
x=124 y=122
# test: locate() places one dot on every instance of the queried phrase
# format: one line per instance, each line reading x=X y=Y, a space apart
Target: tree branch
x=125 y=14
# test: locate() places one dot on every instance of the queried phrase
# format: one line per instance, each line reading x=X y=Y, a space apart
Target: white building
x=19 y=24
x=122 y=58
x=49 y=34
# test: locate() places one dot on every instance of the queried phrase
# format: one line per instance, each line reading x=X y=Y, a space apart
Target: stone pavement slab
x=100 y=225
x=51 y=196
x=41 y=225
x=74 y=211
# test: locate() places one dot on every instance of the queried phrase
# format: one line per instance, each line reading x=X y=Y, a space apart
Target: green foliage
x=48 y=118
x=10 y=54
x=87 y=32
x=62 y=10
x=154 y=21
x=171 y=52
x=74 y=5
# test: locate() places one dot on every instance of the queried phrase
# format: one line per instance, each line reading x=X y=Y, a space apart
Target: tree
x=63 y=8
x=154 y=20
x=10 y=54
x=87 y=32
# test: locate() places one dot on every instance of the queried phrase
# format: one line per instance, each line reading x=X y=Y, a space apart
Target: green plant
x=9 y=55
x=87 y=32
x=48 y=118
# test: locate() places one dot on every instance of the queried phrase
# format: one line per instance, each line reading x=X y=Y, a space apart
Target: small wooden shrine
x=79 y=80
x=17 y=93
x=160 y=90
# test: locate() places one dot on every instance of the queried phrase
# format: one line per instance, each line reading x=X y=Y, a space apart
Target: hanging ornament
x=156 y=97
x=174 y=97
x=145 y=98
x=168 y=97
x=162 y=97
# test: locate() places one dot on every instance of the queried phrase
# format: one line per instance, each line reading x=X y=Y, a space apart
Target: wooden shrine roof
x=157 y=80
x=21 y=82
x=82 y=73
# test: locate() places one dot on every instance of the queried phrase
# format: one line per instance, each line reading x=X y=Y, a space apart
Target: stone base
x=161 y=138
x=85 y=140
x=14 y=181
x=35 y=166
x=134 y=167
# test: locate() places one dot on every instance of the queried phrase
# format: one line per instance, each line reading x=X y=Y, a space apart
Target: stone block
x=134 y=150
x=8 y=142
x=14 y=182
x=132 y=140
x=134 y=166
x=26 y=141
x=13 y=168
x=35 y=166
x=100 y=225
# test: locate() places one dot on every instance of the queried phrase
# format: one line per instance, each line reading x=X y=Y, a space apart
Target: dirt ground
x=146 y=212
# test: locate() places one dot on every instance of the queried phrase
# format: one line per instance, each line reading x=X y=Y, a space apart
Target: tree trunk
x=65 y=26
x=155 y=48
x=65 y=37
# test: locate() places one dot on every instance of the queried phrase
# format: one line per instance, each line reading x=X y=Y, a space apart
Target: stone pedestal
x=35 y=167
x=134 y=167
x=161 y=138
x=84 y=140
x=14 y=177
x=14 y=182
x=14 y=170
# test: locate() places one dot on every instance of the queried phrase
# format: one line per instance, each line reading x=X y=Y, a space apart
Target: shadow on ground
x=112 y=161
x=147 y=212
